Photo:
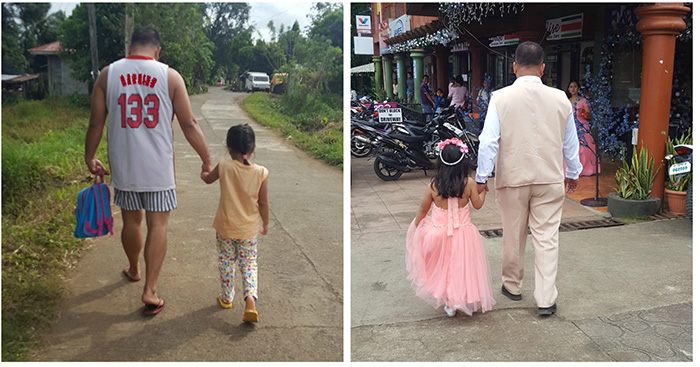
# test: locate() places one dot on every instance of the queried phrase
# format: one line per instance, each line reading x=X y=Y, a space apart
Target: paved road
x=300 y=268
x=625 y=293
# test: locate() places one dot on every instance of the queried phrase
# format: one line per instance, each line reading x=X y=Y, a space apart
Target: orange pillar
x=659 y=24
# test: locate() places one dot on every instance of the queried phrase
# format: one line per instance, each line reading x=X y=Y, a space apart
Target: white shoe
x=450 y=312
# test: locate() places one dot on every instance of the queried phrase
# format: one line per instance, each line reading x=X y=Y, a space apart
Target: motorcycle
x=683 y=166
x=363 y=137
x=412 y=147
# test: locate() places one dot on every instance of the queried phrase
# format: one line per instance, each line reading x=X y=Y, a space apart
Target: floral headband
x=462 y=148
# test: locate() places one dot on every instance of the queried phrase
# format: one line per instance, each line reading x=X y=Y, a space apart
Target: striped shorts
x=158 y=201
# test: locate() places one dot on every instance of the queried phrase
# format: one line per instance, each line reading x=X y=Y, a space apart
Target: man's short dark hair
x=529 y=54
x=145 y=36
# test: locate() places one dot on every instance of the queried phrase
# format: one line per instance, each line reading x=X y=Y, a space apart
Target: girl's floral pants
x=241 y=253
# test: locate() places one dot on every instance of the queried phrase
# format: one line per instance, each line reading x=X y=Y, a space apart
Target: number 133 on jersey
x=135 y=107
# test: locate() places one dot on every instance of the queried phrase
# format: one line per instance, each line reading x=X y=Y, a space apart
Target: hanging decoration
x=455 y=14
x=443 y=37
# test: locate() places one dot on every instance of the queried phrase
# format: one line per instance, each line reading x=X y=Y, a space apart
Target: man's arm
x=98 y=114
x=188 y=124
x=570 y=150
x=488 y=146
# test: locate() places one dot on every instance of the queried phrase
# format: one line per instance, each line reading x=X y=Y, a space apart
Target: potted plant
x=678 y=185
x=634 y=181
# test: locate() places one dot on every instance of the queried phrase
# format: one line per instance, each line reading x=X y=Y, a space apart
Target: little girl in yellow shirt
x=242 y=204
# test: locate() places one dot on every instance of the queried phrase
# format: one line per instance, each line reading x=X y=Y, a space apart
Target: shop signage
x=566 y=27
x=399 y=25
x=363 y=24
x=505 y=40
x=383 y=36
x=459 y=47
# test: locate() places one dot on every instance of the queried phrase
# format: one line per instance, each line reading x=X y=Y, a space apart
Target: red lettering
x=147 y=80
x=123 y=81
x=133 y=79
x=128 y=79
x=140 y=79
x=153 y=82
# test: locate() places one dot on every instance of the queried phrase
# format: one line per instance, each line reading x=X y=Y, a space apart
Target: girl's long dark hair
x=449 y=181
x=241 y=139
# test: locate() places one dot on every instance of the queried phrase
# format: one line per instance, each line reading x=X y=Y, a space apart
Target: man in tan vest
x=528 y=133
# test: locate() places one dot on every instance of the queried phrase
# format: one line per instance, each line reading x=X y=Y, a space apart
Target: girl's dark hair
x=449 y=180
x=241 y=139
x=439 y=90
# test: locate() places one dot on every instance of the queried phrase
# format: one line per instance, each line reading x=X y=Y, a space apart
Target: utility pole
x=128 y=26
x=93 y=41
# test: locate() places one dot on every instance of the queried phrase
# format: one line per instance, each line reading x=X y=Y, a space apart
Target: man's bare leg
x=154 y=253
x=131 y=240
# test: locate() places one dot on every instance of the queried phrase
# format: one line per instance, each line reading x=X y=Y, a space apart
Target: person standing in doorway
x=426 y=98
x=410 y=88
x=138 y=94
x=528 y=133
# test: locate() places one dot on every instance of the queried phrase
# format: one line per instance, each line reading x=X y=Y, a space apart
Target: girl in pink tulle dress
x=445 y=256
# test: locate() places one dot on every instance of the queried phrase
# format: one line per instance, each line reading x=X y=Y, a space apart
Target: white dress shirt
x=491 y=135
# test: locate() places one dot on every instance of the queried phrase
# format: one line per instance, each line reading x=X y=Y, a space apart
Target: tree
x=328 y=27
x=13 y=59
x=185 y=45
x=225 y=23
x=74 y=36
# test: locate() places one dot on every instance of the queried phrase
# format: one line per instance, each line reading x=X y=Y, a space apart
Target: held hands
x=206 y=169
x=571 y=185
x=96 y=167
x=481 y=187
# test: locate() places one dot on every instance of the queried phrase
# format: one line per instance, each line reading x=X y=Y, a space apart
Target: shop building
x=474 y=40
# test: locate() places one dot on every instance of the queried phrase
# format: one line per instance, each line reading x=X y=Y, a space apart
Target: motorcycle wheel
x=385 y=172
x=689 y=202
x=358 y=148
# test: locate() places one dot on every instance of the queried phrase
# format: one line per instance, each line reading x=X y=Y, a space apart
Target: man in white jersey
x=139 y=95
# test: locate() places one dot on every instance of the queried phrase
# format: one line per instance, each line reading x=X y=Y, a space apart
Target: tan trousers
x=540 y=208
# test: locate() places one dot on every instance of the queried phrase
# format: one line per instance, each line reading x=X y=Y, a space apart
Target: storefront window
x=627 y=69
x=551 y=65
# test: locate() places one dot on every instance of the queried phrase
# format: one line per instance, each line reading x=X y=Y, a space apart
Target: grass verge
x=42 y=173
x=325 y=144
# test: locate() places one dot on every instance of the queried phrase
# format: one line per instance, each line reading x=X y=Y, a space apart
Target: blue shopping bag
x=93 y=213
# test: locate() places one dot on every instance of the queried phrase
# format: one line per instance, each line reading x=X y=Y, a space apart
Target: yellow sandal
x=250 y=316
x=224 y=304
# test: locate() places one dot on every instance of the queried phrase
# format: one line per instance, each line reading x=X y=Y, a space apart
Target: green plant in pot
x=678 y=182
x=634 y=182
x=677 y=193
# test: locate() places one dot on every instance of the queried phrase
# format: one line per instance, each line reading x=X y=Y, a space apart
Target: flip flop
x=250 y=316
x=126 y=274
x=150 y=310
x=224 y=304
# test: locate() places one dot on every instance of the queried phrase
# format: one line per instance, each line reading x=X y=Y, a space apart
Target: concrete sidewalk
x=625 y=293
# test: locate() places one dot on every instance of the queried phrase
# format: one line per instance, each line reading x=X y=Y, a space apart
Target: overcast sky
x=284 y=12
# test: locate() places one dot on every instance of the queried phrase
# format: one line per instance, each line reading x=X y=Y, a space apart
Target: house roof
x=366 y=68
x=47 y=49
x=18 y=78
